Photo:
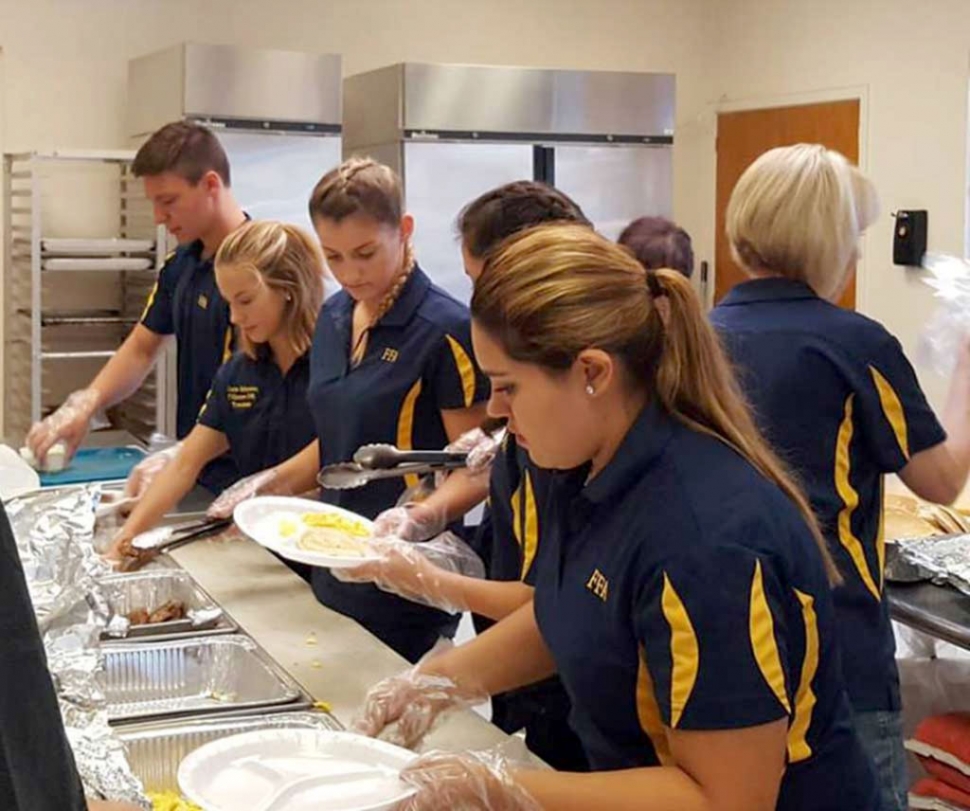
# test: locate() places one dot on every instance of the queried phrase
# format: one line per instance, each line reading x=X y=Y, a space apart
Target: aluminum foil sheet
x=55 y=531
x=944 y=560
x=76 y=662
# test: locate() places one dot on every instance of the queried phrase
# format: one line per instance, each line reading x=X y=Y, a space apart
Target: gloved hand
x=411 y=701
x=246 y=488
x=419 y=572
x=69 y=424
x=144 y=473
x=480 y=446
x=412 y=522
x=467 y=780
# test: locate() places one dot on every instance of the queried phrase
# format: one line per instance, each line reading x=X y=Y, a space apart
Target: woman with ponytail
x=391 y=362
x=683 y=591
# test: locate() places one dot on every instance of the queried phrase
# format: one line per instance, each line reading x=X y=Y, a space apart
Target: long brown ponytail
x=550 y=292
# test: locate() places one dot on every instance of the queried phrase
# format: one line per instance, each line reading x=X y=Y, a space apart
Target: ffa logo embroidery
x=242 y=398
x=599 y=585
x=390 y=355
x=203 y=301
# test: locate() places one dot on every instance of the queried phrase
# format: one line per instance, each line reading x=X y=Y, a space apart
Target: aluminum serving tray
x=149 y=590
x=156 y=750
x=192 y=677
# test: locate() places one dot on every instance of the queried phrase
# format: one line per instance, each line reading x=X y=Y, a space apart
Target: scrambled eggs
x=351 y=526
x=170 y=801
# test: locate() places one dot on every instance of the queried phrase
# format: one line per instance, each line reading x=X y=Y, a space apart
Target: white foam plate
x=296 y=770
x=260 y=519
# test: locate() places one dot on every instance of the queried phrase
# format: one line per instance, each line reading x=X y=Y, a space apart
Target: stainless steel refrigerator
x=455 y=131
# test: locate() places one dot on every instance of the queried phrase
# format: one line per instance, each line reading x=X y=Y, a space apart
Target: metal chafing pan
x=150 y=590
x=192 y=677
x=155 y=750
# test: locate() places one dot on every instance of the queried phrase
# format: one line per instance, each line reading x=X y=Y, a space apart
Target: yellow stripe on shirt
x=227 y=347
x=530 y=526
x=805 y=700
x=150 y=302
x=761 y=627
x=684 y=652
x=850 y=500
x=466 y=370
x=893 y=409
x=405 y=427
x=648 y=713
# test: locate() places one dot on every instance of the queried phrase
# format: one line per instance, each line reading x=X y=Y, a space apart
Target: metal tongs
x=373 y=462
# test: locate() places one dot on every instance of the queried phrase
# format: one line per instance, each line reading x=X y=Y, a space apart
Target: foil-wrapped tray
x=155 y=750
x=190 y=677
x=943 y=559
x=126 y=593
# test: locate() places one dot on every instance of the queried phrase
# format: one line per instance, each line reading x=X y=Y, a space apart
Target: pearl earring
x=590 y=390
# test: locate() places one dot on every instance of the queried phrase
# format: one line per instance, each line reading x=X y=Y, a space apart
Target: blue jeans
x=881 y=735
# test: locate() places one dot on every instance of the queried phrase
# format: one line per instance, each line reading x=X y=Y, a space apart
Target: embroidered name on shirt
x=242 y=397
x=599 y=585
x=390 y=355
x=203 y=301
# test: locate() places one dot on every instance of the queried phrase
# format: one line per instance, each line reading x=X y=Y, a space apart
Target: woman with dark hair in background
x=658 y=243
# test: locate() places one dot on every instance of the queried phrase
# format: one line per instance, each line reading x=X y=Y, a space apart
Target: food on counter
x=908 y=517
x=167 y=612
x=331 y=541
x=170 y=801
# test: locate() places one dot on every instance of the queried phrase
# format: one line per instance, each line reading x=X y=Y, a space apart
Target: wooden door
x=743 y=136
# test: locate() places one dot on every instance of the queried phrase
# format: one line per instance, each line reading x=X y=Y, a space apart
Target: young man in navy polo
x=187 y=179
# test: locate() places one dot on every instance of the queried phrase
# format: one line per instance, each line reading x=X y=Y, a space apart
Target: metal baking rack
x=71 y=298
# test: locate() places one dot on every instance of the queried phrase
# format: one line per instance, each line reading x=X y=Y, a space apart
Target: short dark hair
x=185 y=149
x=658 y=243
x=498 y=214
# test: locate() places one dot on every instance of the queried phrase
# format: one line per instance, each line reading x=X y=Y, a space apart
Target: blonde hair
x=799 y=211
x=553 y=291
x=287 y=260
x=362 y=186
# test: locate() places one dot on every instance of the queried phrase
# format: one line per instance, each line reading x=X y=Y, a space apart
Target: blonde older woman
x=837 y=397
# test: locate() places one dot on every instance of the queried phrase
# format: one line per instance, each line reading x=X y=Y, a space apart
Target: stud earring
x=590 y=390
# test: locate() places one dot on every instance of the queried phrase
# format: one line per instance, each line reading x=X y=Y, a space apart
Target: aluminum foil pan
x=150 y=591
x=216 y=674
x=156 y=750
x=944 y=559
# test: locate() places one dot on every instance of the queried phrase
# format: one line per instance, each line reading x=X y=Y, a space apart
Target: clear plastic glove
x=246 y=488
x=468 y=780
x=144 y=473
x=69 y=424
x=411 y=522
x=480 y=446
x=419 y=572
x=403 y=708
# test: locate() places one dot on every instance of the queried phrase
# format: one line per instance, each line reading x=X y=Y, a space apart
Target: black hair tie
x=653 y=284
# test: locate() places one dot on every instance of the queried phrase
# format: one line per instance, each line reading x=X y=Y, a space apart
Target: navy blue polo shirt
x=185 y=302
x=679 y=589
x=837 y=398
x=418 y=362
x=262 y=412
